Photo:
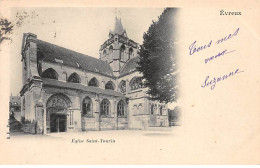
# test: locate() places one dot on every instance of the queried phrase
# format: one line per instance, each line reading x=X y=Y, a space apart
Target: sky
x=80 y=29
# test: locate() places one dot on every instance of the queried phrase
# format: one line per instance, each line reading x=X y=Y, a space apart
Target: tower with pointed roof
x=118 y=49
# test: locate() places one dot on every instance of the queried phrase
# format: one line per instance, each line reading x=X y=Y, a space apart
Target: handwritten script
x=195 y=49
x=218 y=55
x=212 y=81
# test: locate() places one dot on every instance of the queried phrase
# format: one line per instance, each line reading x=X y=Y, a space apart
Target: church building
x=66 y=91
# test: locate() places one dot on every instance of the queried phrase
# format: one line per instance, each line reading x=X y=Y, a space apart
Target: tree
x=157 y=58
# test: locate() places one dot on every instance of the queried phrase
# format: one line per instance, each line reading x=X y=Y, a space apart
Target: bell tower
x=118 y=49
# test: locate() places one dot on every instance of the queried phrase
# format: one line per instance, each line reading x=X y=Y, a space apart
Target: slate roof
x=119 y=29
x=78 y=86
x=130 y=66
x=53 y=53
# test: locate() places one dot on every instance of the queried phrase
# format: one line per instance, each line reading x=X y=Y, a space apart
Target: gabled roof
x=53 y=53
x=130 y=66
x=78 y=86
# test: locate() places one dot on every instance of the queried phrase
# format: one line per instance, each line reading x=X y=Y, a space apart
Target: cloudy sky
x=79 y=29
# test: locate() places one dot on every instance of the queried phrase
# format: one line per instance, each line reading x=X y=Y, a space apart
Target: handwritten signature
x=194 y=49
x=218 y=55
x=212 y=83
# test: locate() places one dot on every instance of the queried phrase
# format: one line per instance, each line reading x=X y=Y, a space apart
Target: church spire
x=119 y=29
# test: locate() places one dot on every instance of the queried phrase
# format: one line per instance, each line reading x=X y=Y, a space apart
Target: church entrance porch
x=58 y=123
x=56 y=119
x=57 y=113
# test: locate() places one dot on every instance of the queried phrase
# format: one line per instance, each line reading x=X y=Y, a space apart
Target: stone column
x=77 y=114
x=145 y=122
x=146 y=106
x=44 y=119
x=130 y=114
x=70 y=120
x=114 y=113
x=103 y=84
x=63 y=76
x=157 y=109
x=39 y=118
x=86 y=80
x=96 y=111
x=126 y=112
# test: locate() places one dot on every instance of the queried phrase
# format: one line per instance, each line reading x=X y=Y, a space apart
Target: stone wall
x=87 y=123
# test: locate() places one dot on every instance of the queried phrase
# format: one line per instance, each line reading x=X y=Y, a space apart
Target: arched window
x=121 y=108
x=93 y=82
x=152 y=109
x=140 y=109
x=104 y=107
x=122 y=86
x=122 y=50
x=104 y=52
x=50 y=73
x=74 y=78
x=161 y=110
x=130 y=53
x=58 y=101
x=136 y=83
x=135 y=110
x=109 y=85
x=87 y=107
x=111 y=49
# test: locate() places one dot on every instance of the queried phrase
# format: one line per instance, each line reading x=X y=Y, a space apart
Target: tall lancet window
x=121 y=108
x=152 y=109
x=130 y=53
x=74 y=78
x=93 y=82
x=87 y=107
x=122 y=51
x=104 y=107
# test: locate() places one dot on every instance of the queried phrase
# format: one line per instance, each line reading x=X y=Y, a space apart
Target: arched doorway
x=57 y=106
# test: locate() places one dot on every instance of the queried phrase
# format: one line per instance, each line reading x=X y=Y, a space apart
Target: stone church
x=65 y=91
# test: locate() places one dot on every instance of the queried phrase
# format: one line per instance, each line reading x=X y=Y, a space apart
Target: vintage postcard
x=129 y=82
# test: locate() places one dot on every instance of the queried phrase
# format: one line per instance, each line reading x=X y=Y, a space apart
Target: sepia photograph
x=129 y=83
x=112 y=83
